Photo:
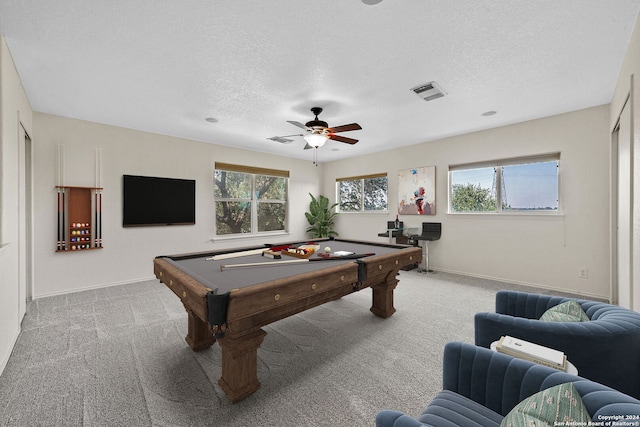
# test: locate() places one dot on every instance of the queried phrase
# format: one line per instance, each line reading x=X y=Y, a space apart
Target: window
x=362 y=193
x=249 y=200
x=529 y=185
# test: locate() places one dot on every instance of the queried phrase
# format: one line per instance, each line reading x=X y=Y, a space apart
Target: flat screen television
x=158 y=201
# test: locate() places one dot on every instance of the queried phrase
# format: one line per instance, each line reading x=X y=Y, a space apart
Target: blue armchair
x=481 y=386
x=605 y=349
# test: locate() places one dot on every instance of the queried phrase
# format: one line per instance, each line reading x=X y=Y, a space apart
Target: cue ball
x=327 y=250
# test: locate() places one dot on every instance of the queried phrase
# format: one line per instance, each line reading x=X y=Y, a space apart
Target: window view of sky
x=525 y=186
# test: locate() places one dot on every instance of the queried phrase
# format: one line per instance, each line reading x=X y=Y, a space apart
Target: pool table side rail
x=368 y=242
x=375 y=267
x=205 y=254
x=259 y=305
x=264 y=303
x=191 y=292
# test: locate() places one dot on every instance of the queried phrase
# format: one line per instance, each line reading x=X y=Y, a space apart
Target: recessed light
x=211 y=120
x=371 y=2
x=489 y=113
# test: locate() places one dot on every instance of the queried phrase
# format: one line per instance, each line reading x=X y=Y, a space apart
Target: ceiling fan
x=318 y=132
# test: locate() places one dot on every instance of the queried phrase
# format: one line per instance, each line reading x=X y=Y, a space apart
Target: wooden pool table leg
x=382 y=305
x=240 y=364
x=199 y=336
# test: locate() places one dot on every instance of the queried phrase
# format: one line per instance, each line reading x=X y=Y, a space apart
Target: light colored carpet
x=117 y=357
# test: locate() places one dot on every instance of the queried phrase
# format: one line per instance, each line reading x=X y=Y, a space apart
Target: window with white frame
x=249 y=200
x=367 y=193
x=521 y=185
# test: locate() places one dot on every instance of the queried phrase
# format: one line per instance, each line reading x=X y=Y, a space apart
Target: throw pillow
x=558 y=405
x=569 y=311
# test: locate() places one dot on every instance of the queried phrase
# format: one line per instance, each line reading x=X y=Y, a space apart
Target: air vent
x=429 y=91
x=281 y=139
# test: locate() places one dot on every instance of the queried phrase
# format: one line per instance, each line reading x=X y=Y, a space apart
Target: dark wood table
x=230 y=305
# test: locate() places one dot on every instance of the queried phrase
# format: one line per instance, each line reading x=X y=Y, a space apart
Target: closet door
x=25 y=264
x=623 y=283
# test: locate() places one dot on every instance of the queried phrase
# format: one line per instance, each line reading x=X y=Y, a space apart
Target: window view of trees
x=362 y=194
x=473 y=190
x=375 y=194
x=472 y=198
x=513 y=186
x=350 y=195
x=249 y=203
x=271 y=192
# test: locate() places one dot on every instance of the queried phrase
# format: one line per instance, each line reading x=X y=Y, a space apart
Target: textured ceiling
x=165 y=66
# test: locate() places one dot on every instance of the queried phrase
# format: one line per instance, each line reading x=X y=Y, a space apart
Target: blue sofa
x=605 y=349
x=481 y=386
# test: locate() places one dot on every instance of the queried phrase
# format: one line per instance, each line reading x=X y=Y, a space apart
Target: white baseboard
x=5 y=357
x=461 y=273
x=582 y=295
x=88 y=288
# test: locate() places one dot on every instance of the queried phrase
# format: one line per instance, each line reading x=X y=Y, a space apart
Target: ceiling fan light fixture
x=316 y=140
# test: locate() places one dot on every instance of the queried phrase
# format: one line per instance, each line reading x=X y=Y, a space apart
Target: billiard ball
x=327 y=250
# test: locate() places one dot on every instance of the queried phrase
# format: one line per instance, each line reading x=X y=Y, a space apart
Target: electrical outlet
x=583 y=273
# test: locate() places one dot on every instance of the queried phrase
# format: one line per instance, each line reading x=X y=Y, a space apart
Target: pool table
x=231 y=305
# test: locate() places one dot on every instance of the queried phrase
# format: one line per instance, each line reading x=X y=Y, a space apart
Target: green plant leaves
x=321 y=217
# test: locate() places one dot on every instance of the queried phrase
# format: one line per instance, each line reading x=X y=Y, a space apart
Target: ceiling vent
x=429 y=91
x=281 y=139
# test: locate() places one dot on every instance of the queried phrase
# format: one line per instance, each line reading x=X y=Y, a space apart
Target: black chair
x=390 y=226
x=430 y=231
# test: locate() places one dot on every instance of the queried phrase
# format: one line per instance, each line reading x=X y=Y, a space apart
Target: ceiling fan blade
x=300 y=125
x=345 y=128
x=307 y=147
x=342 y=139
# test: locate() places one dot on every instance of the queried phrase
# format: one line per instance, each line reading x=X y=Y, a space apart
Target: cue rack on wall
x=79 y=218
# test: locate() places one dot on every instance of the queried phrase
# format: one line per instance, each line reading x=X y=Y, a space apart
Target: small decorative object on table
x=272 y=254
x=303 y=251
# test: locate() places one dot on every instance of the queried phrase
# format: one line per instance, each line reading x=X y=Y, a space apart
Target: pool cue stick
x=264 y=264
x=236 y=254
x=100 y=218
x=59 y=223
x=94 y=235
x=65 y=231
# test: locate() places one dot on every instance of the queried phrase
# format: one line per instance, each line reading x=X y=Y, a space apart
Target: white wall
x=14 y=109
x=128 y=252
x=541 y=250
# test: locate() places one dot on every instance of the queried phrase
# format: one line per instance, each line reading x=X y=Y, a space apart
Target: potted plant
x=321 y=217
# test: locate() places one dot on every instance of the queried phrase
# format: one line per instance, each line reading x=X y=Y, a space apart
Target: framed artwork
x=417 y=191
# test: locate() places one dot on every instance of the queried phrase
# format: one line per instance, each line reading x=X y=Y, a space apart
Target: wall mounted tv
x=158 y=201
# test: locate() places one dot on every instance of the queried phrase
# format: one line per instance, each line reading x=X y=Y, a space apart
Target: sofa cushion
x=450 y=409
x=569 y=311
x=558 y=405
